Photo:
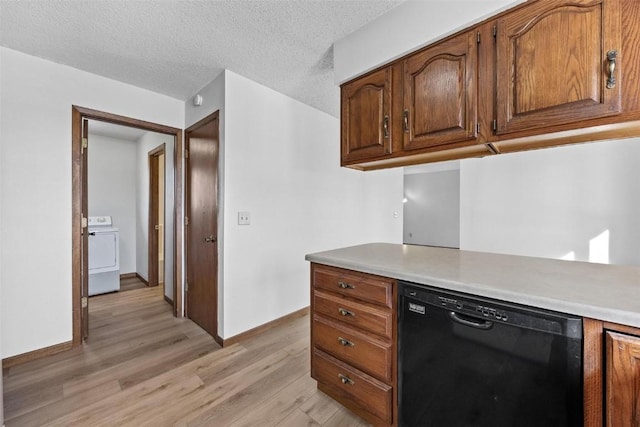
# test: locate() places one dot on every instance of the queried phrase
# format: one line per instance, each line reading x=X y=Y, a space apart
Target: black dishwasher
x=471 y=361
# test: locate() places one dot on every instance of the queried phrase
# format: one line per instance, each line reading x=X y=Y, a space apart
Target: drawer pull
x=405 y=121
x=344 y=312
x=385 y=127
x=345 y=342
x=346 y=380
x=345 y=285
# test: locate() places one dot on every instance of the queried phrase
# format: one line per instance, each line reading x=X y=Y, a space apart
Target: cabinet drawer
x=372 y=395
x=361 y=350
x=377 y=321
x=374 y=289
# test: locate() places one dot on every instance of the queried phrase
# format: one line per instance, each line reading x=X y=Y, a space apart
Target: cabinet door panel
x=623 y=380
x=440 y=94
x=366 y=121
x=552 y=64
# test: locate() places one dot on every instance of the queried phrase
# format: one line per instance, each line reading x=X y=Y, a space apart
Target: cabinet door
x=558 y=62
x=440 y=94
x=623 y=380
x=366 y=116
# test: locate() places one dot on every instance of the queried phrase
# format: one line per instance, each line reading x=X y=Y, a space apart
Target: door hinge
x=495 y=31
x=186 y=286
x=478 y=127
x=495 y=125
x=85 y=144
x=85 y=302
x=478 y=37
x=186 y=220
x=186 y=154
x=83 y=222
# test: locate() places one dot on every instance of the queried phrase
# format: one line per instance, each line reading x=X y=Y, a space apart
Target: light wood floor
x=143 y=367
x=131 y=284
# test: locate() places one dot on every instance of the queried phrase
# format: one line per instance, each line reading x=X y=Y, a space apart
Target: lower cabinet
x=622 y=384
x=611 y=375
x=353 y=340
x=354 y=352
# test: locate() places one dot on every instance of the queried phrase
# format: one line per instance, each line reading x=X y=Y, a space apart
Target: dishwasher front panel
x=468 y=361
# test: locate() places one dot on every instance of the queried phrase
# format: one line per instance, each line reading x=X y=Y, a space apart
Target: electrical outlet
x=244 y=218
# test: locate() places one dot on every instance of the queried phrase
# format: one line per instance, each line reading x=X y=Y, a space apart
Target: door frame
x=153 y=242
x=78 y=192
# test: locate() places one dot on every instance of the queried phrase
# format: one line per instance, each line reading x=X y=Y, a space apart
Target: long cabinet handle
x=611 y=57
x=405 y=121
x=344 y=312
x=346 y=380
x=345 y=342
x=345 y=285
x=385 y=127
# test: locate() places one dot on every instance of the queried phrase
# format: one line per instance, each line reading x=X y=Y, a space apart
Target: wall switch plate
x=244 y=218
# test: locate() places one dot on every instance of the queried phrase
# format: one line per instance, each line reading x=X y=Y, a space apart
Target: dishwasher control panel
x=472 y=308
x=488 y=310
x=459 y=305
x=492 y=313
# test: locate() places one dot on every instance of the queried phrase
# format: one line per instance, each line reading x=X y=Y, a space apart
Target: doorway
x=201 y=218
x=156 y=222
x=80 y=147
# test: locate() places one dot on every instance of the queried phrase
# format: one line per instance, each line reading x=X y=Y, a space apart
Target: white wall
x=213 y=98
x=412 y=24
x=1 y=297
x=432 y=208
x=35 y=130
x=111 y=175
x=149 y=141
x=577 y=202
x=282 y=166
x=281 y=163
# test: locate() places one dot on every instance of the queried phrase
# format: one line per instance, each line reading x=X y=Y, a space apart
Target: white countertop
x=599 y=291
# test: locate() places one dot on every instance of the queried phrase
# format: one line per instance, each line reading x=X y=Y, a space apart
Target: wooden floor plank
x=59 y=409
x=298 y=418
x=251 y=395
x=131 y=284
x=345 y=418
x=273 y=410
x=320 y=408
x=141 y=366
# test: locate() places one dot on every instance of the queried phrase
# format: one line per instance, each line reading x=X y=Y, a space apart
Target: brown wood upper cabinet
x=366 y=116
x=558 y=62
x=545 y=73
x=440 y=94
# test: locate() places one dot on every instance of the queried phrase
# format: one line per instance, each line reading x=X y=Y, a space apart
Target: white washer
x=104 y=255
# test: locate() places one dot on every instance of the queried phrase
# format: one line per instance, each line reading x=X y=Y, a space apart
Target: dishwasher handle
x=487 y=324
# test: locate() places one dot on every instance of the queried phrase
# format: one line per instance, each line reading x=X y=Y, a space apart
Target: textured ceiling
x=176 y=47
